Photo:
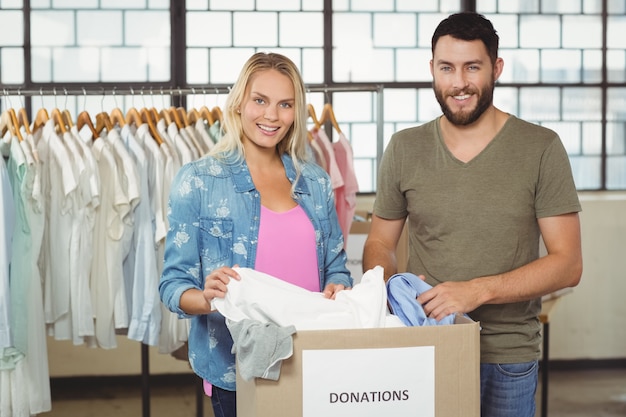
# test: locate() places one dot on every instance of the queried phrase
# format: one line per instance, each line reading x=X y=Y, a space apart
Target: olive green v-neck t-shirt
x=479 y=218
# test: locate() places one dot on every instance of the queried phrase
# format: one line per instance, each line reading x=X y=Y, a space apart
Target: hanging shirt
x=140 y=266
x=345 y=196
x=7 y=223
x=60 y=184
x=322 y=139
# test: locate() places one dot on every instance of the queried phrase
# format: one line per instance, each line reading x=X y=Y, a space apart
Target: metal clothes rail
x=183 y=92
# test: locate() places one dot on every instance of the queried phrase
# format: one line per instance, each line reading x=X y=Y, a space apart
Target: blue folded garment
x=402 y=292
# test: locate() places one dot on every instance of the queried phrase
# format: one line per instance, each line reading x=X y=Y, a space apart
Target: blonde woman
x=255 y=201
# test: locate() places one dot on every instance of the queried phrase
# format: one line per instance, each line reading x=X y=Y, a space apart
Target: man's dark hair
x=469 y=26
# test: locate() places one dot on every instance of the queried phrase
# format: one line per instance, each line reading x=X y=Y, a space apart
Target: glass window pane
x=74 y=4
x=520 y=65
x=592 y=138
x=616 y=27
x=312 y=65
x=616 y=104
x=582 y=32
x=232 y=5
x=372 y=5
x=592 y=6
x=244 y=21
x=12 y=4
x=560 y=6
x=616 y=65
x=507 y=27
x=592 y=66
x=414 y=6
x=203 y=27
x=147 y=28
x=426 y=25
x=52 y=28
x=616 y=139
x=540 y=104
x=506 y=99
x=413 y=65
x=539 y=31
x=197 y=66
x=583 y=104
x=616 y=173
x=400 y=105
x=586 y=171
x=560 y=66
x=428 y=107
x=158 y=64
x=518 y=6
x=196 y=5
x=75 y=64
x=313 y=5
x=278 y=5
x=616 y=7
x=41 y=59
x=12 y=65
x=395 y=30
x=124 y=64
x=97 y=28
x=225 y=64
x=292 y=34
x=12 y=24
x=570 y=133
x=123 y=4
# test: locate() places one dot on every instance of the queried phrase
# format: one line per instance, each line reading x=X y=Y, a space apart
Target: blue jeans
x=224 y=402
x=508 y=390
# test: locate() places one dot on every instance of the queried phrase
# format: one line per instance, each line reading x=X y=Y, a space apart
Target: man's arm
x=561 y=267
x=380 y=245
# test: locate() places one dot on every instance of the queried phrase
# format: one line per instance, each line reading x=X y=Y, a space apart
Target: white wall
x=587 y=323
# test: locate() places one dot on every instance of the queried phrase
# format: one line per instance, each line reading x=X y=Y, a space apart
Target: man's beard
x=462 y=117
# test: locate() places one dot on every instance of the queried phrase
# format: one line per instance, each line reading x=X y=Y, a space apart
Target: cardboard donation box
x=422 y=371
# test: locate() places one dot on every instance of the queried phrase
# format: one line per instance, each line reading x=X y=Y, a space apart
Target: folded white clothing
x=267 y=299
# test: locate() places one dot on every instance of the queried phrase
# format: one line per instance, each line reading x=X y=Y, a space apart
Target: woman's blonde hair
x=294 y=141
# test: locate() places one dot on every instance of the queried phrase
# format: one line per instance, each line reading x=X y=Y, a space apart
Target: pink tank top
x=287 y=248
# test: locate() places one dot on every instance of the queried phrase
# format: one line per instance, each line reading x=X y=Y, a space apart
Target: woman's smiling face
x=267 y=110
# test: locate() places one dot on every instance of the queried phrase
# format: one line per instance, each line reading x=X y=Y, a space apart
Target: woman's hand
x=215 y=283
x=331 y=290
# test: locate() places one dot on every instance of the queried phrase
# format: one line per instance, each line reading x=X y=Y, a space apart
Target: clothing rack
x=152 y=91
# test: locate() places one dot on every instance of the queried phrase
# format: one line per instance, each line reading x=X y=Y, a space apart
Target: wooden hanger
x=9 y=122
x=147 y=117
x=217 y=114
x=313 y=116
x=67 y=118
x=22 y=120
x=193 y=115
x=133 y=116
x=116 y=116
x=175 y=117
x=207 y=115
x=40 y=119
x=58 y=120
x=85 y=119
x=328 y=113
x=5 y=123
x=182 y=113
x=103 y=122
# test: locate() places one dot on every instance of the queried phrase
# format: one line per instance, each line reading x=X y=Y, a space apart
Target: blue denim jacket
x=214 y=212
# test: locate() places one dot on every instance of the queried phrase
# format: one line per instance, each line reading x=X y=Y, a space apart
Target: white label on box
x=394 y=382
